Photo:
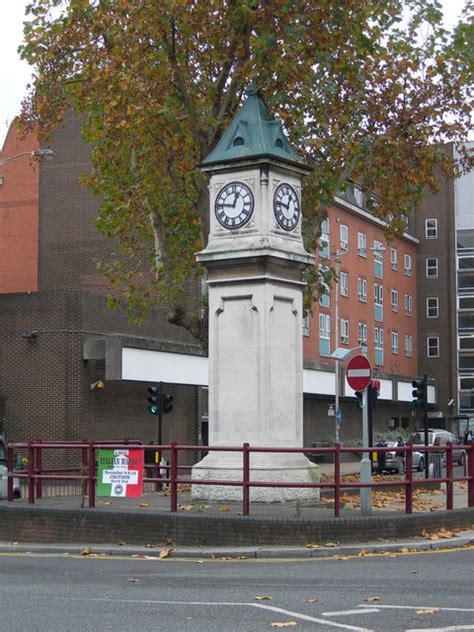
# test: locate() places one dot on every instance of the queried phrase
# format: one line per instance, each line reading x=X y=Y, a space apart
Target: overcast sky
x=15 y=74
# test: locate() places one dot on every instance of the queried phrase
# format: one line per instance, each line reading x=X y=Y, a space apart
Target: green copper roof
x=252 y=135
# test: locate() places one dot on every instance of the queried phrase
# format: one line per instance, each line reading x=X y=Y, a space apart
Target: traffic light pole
x=158 y=486
x=365 y=464
x=425 y=422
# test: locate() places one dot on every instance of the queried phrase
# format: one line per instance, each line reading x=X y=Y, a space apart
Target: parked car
x=391 y=461
x=439 y=436
x=3 y=474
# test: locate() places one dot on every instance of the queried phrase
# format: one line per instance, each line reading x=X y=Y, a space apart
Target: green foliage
x=366 y=90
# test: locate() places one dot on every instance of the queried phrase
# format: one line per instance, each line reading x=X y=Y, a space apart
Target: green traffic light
x=153 y=410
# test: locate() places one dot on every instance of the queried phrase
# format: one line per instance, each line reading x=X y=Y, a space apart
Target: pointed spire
x=252 y=134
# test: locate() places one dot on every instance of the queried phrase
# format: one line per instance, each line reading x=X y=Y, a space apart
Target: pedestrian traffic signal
x=419 y=392
x=167 y=403
x=358 y=394
x=373 y=392
x=154 y=393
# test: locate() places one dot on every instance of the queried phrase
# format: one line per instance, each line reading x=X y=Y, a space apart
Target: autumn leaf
x=186 y=507
x=86 y=551
x=224 y=509
x=144 y=505
x=150 y=546
x=427 y=611
x=330 y=544
x=313 y=546
x=165 y=553
x=311 y=600
x=262 y=598
x=283 y=624
x=373 y=598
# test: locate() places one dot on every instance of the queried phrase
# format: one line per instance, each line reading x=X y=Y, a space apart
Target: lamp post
x=337 y=260
x=36 y=153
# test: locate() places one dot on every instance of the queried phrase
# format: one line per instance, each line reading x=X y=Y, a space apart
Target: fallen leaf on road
x=330 y=544
x=373 y=599
x=262 y=598
x=313 y=546
x=121 y=543
x=284 y=624
x=104 y=502
x=311 y=600
x=150 y=546
x=86 y=551
x=427 y=611
x=144 y=505
x=224 y=509
x=133 y=580
x=186 y=507
x=225 y=557
x=165 y=553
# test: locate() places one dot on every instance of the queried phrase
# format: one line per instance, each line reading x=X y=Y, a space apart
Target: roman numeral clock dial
x=234 y=205
x=286 y=207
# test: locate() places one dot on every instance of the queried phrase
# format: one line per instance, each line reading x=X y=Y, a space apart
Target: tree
x=368 y=90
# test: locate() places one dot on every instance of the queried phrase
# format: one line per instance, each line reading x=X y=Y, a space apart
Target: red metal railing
x=176 y=474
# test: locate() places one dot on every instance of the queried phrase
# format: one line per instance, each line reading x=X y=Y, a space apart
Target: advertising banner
x=120 y=472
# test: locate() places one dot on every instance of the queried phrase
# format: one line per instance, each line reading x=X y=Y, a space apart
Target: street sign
x=338 y=415
x=331 y=410
x=358 y=373
x=120 y=472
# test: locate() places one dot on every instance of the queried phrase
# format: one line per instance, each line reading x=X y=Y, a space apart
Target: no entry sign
x=358 y=373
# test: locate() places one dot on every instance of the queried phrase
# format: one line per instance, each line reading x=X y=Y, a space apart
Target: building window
x=306 y=323
x=378 y=302
x=378 y=259
x=408 y=268
x=394 y=300
x=362 y=333
x=344 y=235
x=324 y=243
x=324 y=334
x=432 y=307
x=394 y=258
x=431 y=228
x=362 y=244
x=362 y=289
x=409 y=346
x=432 y=346
x=378 y=339
x=408 y=305
x=344 y=283
x=432 y=268
x=325 y=296
x=344 y=331
x=394 y=342
x=358 y=196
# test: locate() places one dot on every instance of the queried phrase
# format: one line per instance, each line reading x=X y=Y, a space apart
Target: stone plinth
x=272 y=467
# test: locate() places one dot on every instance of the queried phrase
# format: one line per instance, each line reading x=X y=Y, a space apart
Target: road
x=408 y=591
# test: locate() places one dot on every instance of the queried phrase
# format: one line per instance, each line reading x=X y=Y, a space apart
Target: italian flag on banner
x=120 y=472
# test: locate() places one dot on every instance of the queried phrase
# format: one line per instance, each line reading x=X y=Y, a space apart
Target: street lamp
x=338 y=356
x=47 y=154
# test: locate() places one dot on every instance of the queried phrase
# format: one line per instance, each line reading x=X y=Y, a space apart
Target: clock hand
x=235 y=199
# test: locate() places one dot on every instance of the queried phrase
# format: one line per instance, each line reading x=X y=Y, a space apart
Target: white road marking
x=449 y=629
x=358 y=610
x=296 y=615
x=418 y=608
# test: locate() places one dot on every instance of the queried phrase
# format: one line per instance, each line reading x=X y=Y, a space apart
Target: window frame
x=408 y=265
x=362 y=244
x=429 y=268
x=408 y=305
x=395 y=342
x=429 y=347
x=362 y=296
x=344 y=284
x=431 y=232
x=394 y=303
x=428 y=308
x=344 y=243
x=394 y=259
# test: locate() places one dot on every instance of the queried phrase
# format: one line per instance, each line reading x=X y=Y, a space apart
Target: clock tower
x=255 y=260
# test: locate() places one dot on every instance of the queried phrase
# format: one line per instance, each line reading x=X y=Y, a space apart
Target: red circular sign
x=358 y=373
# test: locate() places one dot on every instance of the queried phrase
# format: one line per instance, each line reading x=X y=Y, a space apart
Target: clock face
x=234 y=205
x=286 y=206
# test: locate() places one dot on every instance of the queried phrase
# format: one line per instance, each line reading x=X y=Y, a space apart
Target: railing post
x=245 y=481
x=38 y=469
x=31 y=474
x=10 y=466
x=337 y=481
x=174 y=477
x=449 y=475
x=91 y=478
x=470 y=473
x=409 y=479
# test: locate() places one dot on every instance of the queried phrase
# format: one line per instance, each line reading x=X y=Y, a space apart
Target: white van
x=3 y=474
x=418 y=439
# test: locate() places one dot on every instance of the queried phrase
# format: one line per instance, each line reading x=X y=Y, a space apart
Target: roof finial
x=252 y=87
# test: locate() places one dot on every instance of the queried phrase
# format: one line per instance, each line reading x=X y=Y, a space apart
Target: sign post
x=359 y=375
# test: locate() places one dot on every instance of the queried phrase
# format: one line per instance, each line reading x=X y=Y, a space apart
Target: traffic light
x=154 y=393
x=167 y=403
x=419 y=392
x=374 y=390
x=358 y=394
